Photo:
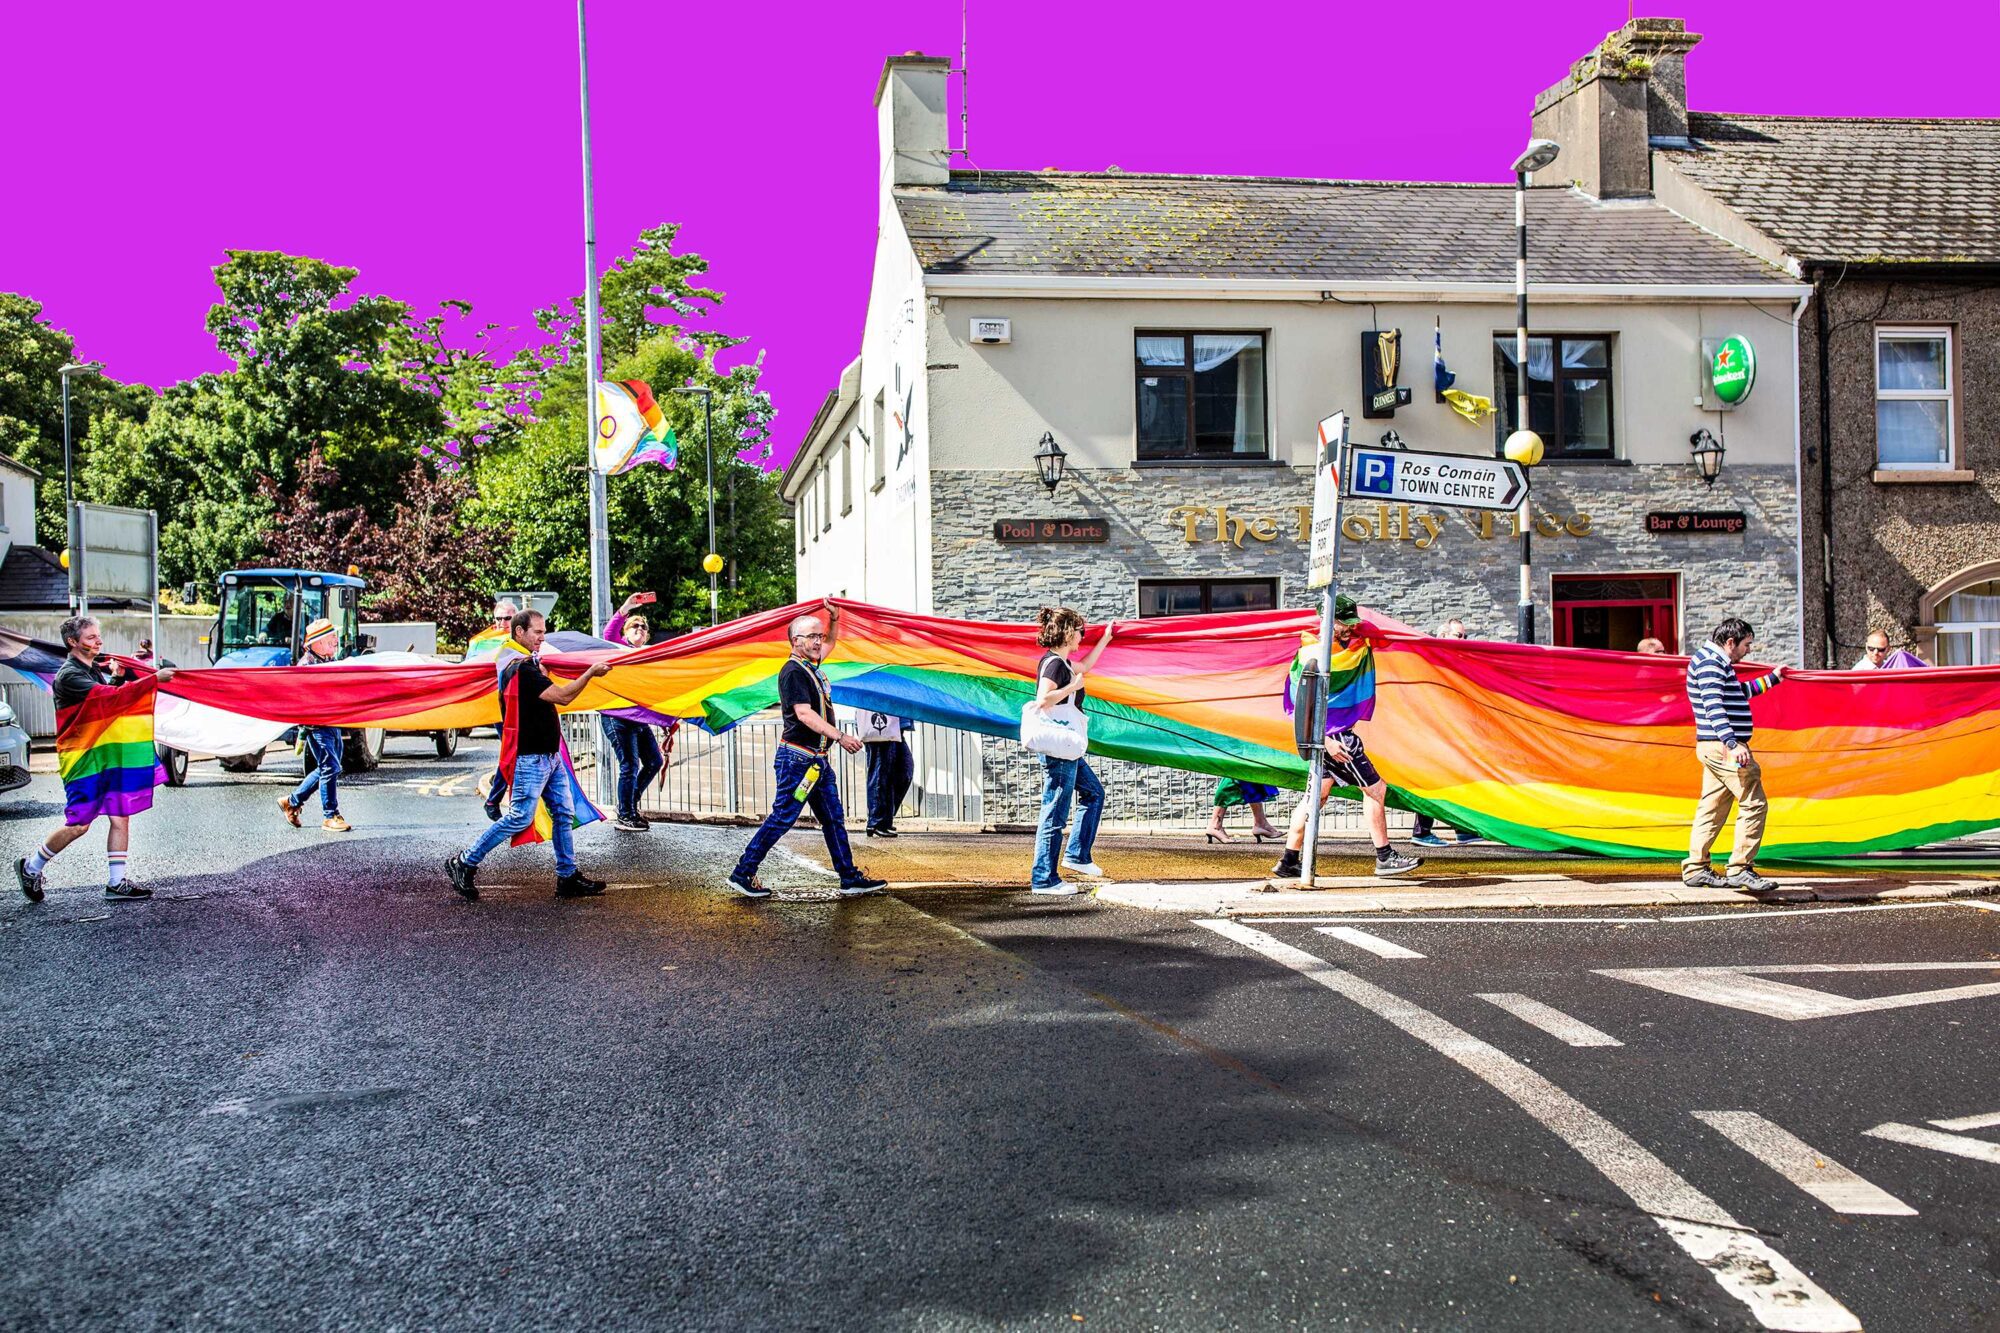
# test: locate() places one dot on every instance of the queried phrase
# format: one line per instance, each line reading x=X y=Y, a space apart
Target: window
x=1569 y=393
x=1968 y=626
x=826 y=497
x=1193 y=597
x=1616 y=610
x=1913 y=408
x=879 y=442
x=846 y=476
x=1201 y=395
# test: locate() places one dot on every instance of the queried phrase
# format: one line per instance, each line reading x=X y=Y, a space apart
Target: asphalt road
x=308 y=1087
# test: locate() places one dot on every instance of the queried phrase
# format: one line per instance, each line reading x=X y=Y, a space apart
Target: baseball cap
x=1345 y=610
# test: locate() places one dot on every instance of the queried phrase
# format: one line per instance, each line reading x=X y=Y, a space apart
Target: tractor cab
x=265 y=613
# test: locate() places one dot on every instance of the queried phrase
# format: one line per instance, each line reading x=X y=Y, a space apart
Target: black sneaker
x=1288 y=867
x=631 y=824
x=883 y=832
x=578 y=885
x=464 y=878
x=1396 y=863
x=861 y=888
x=127 y=892
x=31 y=885
x=749 y=888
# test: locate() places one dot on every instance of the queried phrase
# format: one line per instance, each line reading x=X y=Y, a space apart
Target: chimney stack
x=911 y=119
x=1615 y=105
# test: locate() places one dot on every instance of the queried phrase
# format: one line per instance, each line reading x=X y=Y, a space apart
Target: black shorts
x=1349 y=765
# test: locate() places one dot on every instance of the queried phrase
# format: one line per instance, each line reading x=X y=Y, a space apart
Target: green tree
x=32 y=351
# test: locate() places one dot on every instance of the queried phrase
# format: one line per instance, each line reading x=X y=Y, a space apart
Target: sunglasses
x=1873 y=649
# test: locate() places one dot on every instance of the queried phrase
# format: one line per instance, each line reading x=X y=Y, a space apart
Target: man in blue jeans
x=805 y=777
x=323 y=744
x=532 y=738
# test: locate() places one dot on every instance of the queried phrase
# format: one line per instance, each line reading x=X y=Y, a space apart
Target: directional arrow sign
x=1443 y=479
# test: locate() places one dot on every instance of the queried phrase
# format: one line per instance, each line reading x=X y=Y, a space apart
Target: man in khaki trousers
x=1729 y=771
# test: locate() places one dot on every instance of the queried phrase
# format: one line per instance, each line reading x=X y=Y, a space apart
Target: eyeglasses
x=809 y=638
x=1873 y=649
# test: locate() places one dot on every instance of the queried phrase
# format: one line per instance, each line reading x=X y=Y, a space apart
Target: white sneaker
x=1090 y=868
x=1058 y=891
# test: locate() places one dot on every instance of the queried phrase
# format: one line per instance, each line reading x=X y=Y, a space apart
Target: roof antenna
x=964 y=148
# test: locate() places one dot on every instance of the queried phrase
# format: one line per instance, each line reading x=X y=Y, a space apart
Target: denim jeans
x=1061 y=779
x=638 y=760
x=890 y=769
x=324 y=745
x=536 y=777
x=790 y=766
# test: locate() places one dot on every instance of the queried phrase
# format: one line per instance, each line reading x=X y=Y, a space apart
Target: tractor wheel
x=241 y=763
x=361 y=750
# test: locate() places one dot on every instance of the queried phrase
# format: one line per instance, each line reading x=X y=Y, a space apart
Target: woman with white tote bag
x=1054 y=726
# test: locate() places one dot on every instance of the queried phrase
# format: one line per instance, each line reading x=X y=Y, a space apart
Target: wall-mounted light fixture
x=1707 y=451
x=1050 y=461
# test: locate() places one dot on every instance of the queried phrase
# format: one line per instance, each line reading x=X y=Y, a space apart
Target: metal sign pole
x=1316 y=767
x=153 y=521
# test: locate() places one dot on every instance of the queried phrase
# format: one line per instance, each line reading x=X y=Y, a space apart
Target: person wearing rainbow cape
x=1350 y=699
x=104 y=749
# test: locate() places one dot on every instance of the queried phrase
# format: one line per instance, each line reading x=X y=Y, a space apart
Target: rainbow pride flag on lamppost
x=631 y=429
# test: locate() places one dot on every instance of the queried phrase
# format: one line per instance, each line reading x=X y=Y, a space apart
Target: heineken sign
x=1732 y=369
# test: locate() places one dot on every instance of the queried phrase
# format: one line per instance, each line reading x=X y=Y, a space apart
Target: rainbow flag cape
x=1546 y=748
x=31 y=657
x=104 y=751
x=485 y=643
x=542 y=827
x=1350 y=681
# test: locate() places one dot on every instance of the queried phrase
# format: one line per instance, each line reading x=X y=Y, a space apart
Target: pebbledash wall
x=1418 y=564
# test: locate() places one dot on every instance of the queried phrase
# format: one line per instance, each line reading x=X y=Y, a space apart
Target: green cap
x=1345 y=610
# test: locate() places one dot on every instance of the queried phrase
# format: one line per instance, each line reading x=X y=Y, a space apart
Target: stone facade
x=1418 y=564
x=1896 y=538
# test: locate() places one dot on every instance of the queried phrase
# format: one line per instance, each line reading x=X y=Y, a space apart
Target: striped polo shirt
x=1721 y=702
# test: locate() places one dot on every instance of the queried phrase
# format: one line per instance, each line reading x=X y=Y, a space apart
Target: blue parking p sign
x=1375 y=474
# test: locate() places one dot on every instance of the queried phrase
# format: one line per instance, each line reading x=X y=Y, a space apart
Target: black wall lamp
x=1708 y=453
x=1050 y=461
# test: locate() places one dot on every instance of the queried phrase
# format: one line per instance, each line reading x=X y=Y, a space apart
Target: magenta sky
x=433 y=143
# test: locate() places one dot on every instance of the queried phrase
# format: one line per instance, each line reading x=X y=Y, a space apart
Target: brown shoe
x=335 y=824
x=289 y=811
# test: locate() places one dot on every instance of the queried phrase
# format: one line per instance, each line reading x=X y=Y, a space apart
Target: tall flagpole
x=600 y=530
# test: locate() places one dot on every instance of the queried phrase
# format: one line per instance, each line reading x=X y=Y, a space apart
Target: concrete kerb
x=1345 y=895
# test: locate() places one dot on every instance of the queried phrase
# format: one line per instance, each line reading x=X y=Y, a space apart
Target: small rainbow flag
x=104 y=751
x=631 y=428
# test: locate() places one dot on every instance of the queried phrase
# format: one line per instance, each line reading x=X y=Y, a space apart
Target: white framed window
x=879 y=442
x=846 y=476
x=1914 y=412
x=826 y=496
x=1968 y=626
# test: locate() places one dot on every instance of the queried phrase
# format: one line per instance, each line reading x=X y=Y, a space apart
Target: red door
x=1617 y=610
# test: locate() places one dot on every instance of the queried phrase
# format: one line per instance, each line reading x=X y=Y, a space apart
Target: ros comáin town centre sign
x=1732 y=369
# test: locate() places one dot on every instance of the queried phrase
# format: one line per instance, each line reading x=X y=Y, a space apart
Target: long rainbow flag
x=1547 y=748
x=104 y=751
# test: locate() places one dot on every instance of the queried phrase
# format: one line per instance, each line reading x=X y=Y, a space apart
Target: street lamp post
x=69 y=485
x=600 y=523
x=711 y=561
x=1538 y=154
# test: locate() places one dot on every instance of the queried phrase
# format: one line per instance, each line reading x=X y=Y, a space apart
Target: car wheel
x=240 y=763
x=447 y=743
x=175 y=763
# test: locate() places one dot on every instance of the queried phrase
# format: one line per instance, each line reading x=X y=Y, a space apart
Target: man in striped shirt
x=1729 y=772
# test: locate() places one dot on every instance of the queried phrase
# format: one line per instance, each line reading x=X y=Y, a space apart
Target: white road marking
x=1959 y=1145
x=1970 y=1121
x=806 y=861
x=1808 y=911
x=1743 y=988
x=1984 y=907
x=1797 y=1161
x=1551 y=1020
x=1374 y=944
x=1775 y=1290
x=1515 y=918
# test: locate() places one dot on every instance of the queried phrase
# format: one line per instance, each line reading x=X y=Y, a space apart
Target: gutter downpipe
x=1798 y=472
x=1825 y=399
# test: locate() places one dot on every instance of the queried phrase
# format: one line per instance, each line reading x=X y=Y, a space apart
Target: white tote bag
x=1061 y=732
x=875 y=725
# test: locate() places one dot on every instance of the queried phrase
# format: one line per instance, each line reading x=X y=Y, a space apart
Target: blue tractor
x=262 y=623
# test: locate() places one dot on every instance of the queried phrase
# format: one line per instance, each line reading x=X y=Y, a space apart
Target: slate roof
x=32 y=579
x=1130 y=225
x=1858 y=191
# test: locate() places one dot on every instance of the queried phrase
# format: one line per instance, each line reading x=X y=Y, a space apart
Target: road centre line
x=1958 y=1145
x=1374 y=944
x=1812 y=1171
x=1742 y=1263
x=1970 y=1121
x=1550 y=1020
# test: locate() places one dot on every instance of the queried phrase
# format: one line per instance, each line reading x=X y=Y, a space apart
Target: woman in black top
x=1060 y=680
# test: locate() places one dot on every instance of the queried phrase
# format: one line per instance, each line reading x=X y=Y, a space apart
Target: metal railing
x=729 y=776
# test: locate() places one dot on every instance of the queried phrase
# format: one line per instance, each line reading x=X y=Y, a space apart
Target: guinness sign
x=1381 y=364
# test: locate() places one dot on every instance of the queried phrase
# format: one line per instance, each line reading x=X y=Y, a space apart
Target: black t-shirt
x=1059 y=671
x=74 y=680
x=799 y=683
x=539 y=732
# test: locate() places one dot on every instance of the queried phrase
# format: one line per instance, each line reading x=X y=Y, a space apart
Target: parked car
x=13 y=750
